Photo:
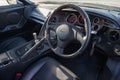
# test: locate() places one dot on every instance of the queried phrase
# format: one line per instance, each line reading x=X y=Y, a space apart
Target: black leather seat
x=48 y=69
x=11 y=43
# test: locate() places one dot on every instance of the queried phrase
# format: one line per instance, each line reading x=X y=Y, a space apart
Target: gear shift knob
x=35 y=37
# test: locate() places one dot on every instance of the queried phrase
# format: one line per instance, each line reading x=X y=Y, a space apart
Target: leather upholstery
x=48 y=69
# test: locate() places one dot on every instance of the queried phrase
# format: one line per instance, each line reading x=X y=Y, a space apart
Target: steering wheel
x=67 y=32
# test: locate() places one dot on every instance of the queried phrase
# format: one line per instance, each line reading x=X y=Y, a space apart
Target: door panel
x=10 y=17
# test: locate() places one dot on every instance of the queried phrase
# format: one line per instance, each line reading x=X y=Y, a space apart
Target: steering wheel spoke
x=59 y=50
x=78 y=36
x=60 y=43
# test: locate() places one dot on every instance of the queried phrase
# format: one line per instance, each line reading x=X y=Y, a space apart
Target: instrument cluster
x=73 y=17
x=67 y=17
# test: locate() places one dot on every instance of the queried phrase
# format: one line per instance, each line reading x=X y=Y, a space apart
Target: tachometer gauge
x=72 y=18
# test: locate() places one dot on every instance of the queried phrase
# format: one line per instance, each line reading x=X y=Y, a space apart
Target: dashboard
x=103 y=27
x=73 y=17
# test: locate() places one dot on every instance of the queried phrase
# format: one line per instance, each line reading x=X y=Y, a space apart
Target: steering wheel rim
x=87 y=27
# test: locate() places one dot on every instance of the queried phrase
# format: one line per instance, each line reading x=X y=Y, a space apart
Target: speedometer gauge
x=72 y=18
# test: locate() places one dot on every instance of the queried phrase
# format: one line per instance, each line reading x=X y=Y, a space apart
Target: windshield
x=7 y=2
x=111 y=4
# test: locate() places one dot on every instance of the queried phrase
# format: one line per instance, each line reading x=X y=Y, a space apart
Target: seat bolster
x=29 y=74
x=48 y=69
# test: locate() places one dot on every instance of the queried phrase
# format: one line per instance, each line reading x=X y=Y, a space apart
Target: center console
x=24 y=52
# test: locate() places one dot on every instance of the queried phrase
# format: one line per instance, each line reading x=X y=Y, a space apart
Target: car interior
x=69 y=42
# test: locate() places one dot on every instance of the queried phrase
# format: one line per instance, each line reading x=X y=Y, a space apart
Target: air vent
x=114 y=36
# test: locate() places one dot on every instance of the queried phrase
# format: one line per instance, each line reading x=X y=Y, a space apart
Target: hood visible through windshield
x=112 y=5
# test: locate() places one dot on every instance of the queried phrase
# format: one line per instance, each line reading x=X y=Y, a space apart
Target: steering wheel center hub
x=63 y=31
